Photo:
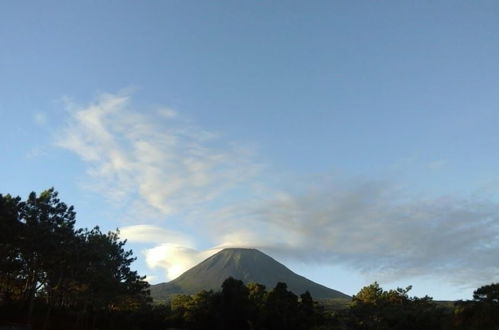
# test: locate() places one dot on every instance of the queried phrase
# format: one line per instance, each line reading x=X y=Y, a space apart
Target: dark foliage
x=374 y=308
x=54 y=276
x=480 y=313
x=239 y=306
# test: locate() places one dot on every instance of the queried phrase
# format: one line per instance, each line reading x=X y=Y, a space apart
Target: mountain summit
x=248 y=265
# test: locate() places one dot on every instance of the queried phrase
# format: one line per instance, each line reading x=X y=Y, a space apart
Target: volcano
x=247 y=265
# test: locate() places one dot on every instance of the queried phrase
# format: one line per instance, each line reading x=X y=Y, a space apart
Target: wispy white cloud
x=381 y=230
x=161 y=167
x=40 y=118
x=154 y=234
x=167 y=113
x=169 y=165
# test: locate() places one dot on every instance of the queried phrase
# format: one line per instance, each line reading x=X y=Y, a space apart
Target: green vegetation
x=335 y=304
x=55 y=276
x=251 y=306
x=480 y=313
x=374 y=308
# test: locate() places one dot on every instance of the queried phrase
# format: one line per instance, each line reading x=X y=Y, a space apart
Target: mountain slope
x=248 y=265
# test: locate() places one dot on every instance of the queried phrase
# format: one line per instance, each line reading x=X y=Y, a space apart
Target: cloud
x=174 y=252
x=167 y=113
x=376 y=228
x=40 y=118
x=164 y=169
x=153 y=159
x=154 y=234
x=175 y=259
x=382 y=230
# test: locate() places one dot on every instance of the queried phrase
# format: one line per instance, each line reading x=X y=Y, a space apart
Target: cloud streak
x=154 y=234
x=152 y=159
x=160 y=165
x=385 y=232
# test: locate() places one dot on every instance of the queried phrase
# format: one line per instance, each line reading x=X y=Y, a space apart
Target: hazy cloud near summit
x=373 y=228
x=159 y=165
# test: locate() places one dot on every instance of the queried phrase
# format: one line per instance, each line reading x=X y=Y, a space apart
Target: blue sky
x=354 y=141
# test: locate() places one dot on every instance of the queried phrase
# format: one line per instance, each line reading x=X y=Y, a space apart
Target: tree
x=44 y=259
x=234 y=305
x=203 y=310
x=103 y=279
x=307 y=311
x=48 y=224
x=371 y=294
x=487 y=293
x=281 y=308
x=257 y=296
x=375 y=308
x=480 y=313
x=10 y=286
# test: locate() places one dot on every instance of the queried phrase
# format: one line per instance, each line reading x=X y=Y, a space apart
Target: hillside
x=248 y=265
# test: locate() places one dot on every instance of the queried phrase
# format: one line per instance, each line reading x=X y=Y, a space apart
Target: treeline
x=245 y=307
x=374 y=308
x=56 y=276
x=238 y=306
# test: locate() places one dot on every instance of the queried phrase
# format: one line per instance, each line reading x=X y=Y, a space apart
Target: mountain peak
x=238 y=250
x=246 y=264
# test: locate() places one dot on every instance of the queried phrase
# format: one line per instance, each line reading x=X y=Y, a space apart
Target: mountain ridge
x=245 y=264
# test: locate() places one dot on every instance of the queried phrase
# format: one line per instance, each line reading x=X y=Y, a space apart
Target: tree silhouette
x=11 y=285
x=487 y=293
x=281 y=308
x=48 y=226
x=257 y=295
x=45 y=261
x=234 y=305
x=480 y=313
x=375 y=308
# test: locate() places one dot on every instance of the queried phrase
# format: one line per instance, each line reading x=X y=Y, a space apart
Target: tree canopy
x=47 y=265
